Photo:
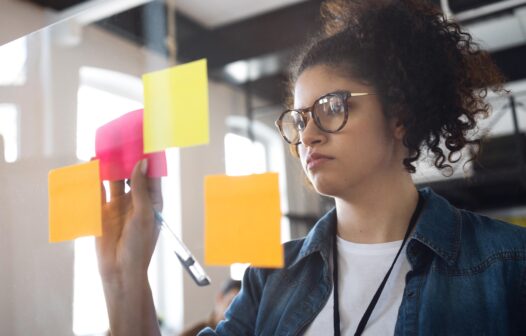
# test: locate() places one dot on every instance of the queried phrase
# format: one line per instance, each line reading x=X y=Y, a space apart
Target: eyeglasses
x=329 y=112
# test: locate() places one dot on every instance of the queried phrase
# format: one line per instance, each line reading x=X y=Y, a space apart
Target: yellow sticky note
x=176 y=107
x=74 y=202
x=242 y=220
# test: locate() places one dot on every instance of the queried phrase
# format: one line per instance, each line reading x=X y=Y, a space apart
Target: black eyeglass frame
x=345 y=95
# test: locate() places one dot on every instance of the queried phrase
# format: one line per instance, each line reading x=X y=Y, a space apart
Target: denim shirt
x=468 y=277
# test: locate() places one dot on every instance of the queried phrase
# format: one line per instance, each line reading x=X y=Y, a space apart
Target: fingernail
x=144 y=166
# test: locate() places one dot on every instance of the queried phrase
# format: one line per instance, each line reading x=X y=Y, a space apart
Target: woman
x=387 y=81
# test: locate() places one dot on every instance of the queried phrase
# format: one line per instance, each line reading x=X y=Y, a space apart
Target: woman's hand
x=129 y=235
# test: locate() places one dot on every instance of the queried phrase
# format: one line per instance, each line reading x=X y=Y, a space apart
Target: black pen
x=182 y=252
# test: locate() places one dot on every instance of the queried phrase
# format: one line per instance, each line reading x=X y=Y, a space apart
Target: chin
x=325 y=187
x=336 y=187
x=328 y=192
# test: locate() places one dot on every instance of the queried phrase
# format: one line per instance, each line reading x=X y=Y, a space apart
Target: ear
x=397 y=128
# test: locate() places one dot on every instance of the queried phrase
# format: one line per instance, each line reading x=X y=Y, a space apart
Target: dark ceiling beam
x=264 y=34
x=458 y=6
x=57 y=5
x=144 y=25
x=270 y=35
x=273 y=89
x=261 y=35
x=511 y=62
x=500 y=188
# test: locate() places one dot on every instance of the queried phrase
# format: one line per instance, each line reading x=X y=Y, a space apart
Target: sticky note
x=242 y=220
x=119 y=146
x=176 y=107
x=74 y=202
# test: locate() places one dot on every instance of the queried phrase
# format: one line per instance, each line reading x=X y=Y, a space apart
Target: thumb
x=139 y=186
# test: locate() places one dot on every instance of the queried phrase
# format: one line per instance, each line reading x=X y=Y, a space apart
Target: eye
x=298 y=121
x=336 y=105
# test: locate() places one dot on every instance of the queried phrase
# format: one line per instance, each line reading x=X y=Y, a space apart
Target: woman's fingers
x=114 y=213
x=129 y=230
x=139 y=187
x=116 y=189
x=156 y=195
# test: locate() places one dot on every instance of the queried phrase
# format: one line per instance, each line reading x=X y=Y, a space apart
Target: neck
x=377 y=213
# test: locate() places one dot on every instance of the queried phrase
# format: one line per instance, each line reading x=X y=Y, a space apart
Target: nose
x=311 y=134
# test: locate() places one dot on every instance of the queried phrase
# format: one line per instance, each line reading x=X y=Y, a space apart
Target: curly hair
x=428 y=72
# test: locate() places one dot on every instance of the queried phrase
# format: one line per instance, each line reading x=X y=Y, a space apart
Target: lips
x=316 y=159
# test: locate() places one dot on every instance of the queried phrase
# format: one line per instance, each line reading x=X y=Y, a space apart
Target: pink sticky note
x=119 y=146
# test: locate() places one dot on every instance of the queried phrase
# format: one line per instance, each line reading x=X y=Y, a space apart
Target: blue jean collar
x=438 y=227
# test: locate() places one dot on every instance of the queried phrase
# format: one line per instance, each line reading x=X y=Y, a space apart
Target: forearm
x=130 y=308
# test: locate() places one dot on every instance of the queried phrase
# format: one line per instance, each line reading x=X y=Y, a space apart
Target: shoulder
x=300 y=255
x=490 y=238
x=454 y=232
x=291 y=250
x=317 y=242
x=492 y=231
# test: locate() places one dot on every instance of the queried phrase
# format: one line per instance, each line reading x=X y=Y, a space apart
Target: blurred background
x=67 y=67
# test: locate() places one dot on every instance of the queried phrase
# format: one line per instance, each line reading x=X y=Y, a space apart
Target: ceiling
x=213 y=14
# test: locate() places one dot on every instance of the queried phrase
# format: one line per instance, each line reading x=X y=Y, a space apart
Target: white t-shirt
x=361 y=269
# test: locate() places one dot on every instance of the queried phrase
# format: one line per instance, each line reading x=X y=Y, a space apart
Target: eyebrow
x=323 y=96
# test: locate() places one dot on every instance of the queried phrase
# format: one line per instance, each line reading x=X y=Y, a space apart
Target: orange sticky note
x=242 y=220
x=74 y=202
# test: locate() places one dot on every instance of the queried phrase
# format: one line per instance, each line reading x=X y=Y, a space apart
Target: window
x=97 y=105
x=9 y=129
x=89 y=307
x=104 y=95
x=13 y=65
x=12 y=72
x=244 y=156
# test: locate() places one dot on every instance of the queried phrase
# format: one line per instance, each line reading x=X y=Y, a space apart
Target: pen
x=182 y=252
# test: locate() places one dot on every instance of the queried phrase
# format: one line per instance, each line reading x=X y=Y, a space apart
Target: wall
x=19 y=18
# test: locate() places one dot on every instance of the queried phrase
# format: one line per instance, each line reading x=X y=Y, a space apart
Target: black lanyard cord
x=374 y=301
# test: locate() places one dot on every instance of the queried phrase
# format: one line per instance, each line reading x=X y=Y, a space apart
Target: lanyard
x=372 y=304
